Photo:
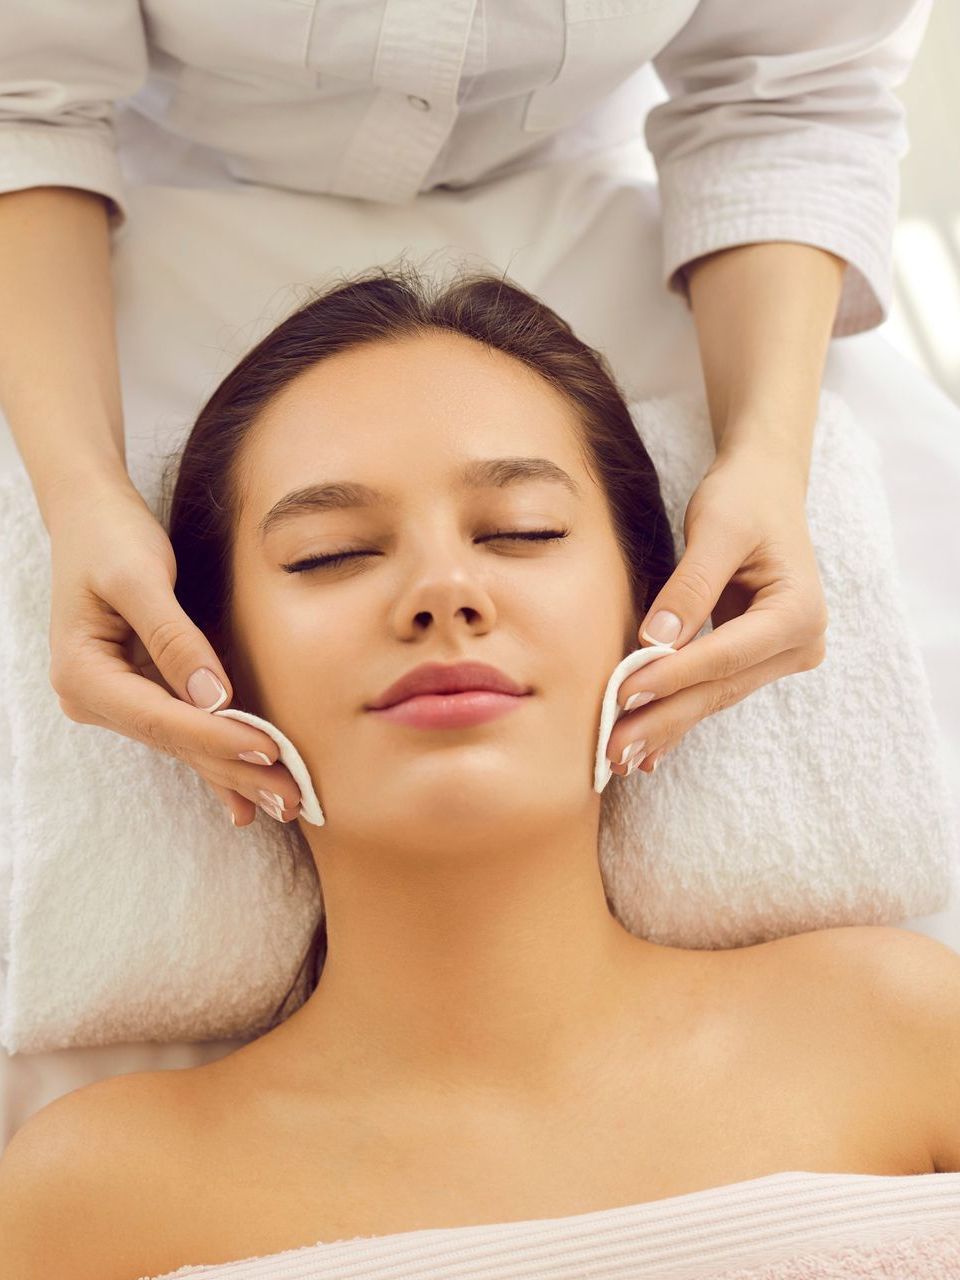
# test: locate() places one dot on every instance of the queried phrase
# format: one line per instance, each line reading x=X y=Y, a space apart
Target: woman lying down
x=488 y=1075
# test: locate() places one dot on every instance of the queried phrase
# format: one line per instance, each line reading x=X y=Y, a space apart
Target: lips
x=436 y=678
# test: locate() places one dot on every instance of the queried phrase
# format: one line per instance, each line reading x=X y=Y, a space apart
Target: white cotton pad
x=289 y=755
x=610 y=709
x=310 y=806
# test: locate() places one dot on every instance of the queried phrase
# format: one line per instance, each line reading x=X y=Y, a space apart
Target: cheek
x=284 y=645
x=311 y=651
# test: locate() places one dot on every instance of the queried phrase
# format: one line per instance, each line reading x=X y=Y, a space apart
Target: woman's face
x=315 y=648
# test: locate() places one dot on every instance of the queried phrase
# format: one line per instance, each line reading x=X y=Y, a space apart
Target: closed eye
x=317 y=562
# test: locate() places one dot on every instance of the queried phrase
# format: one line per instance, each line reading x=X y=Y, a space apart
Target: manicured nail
x=635 y=763
x=271 y=797
x=205 y=690
x=664 y=627
x=255 y=757
x=638 y=700
x=630 y=750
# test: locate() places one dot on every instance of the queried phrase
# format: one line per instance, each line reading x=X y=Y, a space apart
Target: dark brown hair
x=385 y=304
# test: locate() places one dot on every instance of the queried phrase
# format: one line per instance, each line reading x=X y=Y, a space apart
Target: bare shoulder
x=902 y=972
x=896 y=992
x=72 y=1177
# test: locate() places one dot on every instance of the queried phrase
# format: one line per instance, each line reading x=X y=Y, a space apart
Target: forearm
x=764 y=314
x=59 y=378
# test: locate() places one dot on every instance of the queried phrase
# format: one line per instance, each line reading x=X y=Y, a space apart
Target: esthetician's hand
x=120 y=642
x=750 y=565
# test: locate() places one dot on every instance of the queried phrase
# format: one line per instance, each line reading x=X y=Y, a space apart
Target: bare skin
x=718 y=1080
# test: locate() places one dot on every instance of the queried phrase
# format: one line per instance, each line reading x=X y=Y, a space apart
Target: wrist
x=782 y=468
x=784 y=449
x=82 y=482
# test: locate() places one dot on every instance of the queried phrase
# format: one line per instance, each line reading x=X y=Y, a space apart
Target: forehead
x=437 y=379
x=426 y=410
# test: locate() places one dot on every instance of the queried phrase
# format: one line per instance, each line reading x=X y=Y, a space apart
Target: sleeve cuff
x=41 y=155
x=817 y=186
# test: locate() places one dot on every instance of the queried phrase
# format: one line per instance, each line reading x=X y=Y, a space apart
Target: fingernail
x=635 y=763
x=233 y=817
x=255 y=757
x=637 y=700
x=205 y=690
x=630 y=750
x=664 y=627
x=271 y=797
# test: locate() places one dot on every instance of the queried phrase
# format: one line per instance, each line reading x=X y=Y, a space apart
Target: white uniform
x=781 y=122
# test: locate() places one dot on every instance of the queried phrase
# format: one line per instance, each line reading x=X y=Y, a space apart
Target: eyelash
x=316 y=562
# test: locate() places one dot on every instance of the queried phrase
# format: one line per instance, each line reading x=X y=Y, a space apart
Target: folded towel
x=915 y=1257
x=131 y=910
x=791 y=1225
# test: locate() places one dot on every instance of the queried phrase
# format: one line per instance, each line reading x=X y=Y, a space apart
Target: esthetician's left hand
x=750 y=565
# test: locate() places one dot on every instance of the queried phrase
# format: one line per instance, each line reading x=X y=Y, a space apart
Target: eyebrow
x=478 y=473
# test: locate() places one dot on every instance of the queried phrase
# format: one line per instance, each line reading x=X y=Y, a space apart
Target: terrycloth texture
x=818 y=800
x=795 y=1225
x=913 y=1258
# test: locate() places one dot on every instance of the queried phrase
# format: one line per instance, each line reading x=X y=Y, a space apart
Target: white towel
x=131 y=910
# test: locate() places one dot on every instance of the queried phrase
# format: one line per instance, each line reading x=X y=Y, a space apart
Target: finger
x=688 y=596
x=140 y=709
x=688 y=707
x=242 y=811
x=176 y=645
x=264 y=786
x=662 y=723
x=766 y=629
x=226 y=798
x=274 y=790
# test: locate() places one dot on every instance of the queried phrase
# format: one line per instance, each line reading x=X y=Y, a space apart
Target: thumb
x=176 y=645
x=690 y=593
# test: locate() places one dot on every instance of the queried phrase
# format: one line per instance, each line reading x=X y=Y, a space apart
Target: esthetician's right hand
x=120 y=642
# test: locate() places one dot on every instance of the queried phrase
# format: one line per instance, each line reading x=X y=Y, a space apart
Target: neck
x=481 y=970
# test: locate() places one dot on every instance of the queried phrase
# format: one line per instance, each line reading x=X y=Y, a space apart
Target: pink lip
x=451 y=710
